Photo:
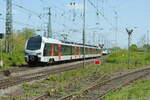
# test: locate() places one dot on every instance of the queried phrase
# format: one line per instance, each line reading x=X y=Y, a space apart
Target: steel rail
x=5 y=83
x=143 y=73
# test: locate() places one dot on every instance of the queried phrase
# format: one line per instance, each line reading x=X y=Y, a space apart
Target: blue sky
x=131 y=13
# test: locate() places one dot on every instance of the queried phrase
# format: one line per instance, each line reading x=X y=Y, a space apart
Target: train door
x=79 y=51
x=75 y=52
x=59 y=52
x=52 y=50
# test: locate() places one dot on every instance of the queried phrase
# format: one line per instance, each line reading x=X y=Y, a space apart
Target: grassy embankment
x=137 y=91
x=17 y=56
x=76 y=81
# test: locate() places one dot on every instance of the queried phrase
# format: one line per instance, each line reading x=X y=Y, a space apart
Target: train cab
x=33 y=50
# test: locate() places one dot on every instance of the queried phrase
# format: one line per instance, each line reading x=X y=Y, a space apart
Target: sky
x=132 y=14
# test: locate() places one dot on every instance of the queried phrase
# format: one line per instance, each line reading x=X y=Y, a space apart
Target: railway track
x=47 y=96
x=5 y=83
x=18 y=68
x=100 y=90
x=21 y=68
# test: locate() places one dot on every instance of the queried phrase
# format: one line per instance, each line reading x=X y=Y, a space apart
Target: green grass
x=17 y=56
x=136 y=58
x=74 y=81
x=136 y=91
x=4 y=67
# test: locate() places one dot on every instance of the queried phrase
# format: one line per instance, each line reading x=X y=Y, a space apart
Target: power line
x=20 y=23
x=26 y=9
x=100 y=13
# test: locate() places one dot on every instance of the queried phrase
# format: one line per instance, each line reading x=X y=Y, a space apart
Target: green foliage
x=73 y=81
x=13 y=59
x=146 y=47
x=19 y=40
x=26 y=86
x=16 y=98
x=114 y=49
x=136 y=91
x=119 y=57
x=133 y=47
x=136 y=58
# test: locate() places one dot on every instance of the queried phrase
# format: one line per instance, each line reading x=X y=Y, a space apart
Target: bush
x=136 y=58
x=17 y=57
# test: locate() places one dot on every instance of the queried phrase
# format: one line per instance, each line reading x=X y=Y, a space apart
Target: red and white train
x=40 y=49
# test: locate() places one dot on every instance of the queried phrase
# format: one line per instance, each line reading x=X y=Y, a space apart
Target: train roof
x=54 y=41
x=50 y=40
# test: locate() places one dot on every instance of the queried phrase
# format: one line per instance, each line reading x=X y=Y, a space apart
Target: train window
x=90 y=51
x=66 y=50
x=93 y=51
x=34 y=43
x=86 y=50
x=96 y=51
x=62 y=50
x=47 y=49
x=70 y=50
x=81 y=50
x=76 y=50
x=56 y=49
x=73 y=50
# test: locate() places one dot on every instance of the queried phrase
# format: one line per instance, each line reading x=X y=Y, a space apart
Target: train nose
x=31 y=58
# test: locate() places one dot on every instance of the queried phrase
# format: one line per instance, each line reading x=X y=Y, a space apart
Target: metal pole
x=129 y=50
x=129 y=41
x=83 y=33
x=1 y=52
x=147 y=40
x=1 y=59
x=9 y=27
x=49 y=27
x=116 y=42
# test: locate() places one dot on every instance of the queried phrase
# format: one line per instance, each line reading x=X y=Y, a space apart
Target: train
x=40 y=49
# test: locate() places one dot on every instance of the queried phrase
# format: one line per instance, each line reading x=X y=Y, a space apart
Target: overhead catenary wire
x=31 y=12
x=26 y=9
x=20 y=23
x=61 y=13
x=100 y=13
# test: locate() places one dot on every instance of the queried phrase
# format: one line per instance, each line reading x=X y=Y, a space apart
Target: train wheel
x=31 y=64
x=51 y=61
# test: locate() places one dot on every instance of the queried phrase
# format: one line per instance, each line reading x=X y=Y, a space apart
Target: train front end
x=33 y=50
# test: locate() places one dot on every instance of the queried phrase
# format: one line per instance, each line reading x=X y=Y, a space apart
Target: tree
x=133 y=47
x=27 y=32
x=146 y=47
x=20 y=38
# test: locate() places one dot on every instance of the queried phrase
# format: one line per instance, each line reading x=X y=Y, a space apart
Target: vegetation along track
x=15 y=69
x=99 y=91
x=25 y=67
x=5 y=83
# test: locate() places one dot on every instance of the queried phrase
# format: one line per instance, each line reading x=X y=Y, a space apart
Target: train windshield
x=34 y=43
